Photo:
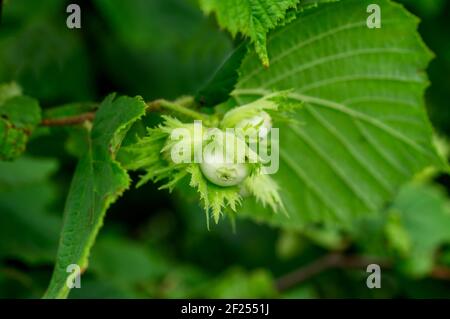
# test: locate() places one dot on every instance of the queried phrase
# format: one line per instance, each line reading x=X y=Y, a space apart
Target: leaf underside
x=363 y=130
x=252 y=18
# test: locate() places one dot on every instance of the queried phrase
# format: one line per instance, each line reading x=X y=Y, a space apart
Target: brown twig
x=332 y=260
x=339 y=260
x=70 y=120
x=89 y=116
x=440 y=272
x=155 y=105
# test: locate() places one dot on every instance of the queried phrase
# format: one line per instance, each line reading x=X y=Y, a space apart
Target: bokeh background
x=156 y=245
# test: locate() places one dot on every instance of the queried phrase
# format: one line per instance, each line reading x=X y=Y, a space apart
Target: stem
x=332 y=260
x=180 y=106
x=339 y=260
x=70 y=120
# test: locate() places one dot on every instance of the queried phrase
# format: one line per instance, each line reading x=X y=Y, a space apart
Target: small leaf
x=252 y=18
x=19 y=115
x=98 y=181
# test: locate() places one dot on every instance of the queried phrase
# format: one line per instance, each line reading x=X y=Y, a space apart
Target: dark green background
x=153 y=244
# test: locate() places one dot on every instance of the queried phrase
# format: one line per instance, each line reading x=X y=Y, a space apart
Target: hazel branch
x=339 y=260
x=69 y=120
x=180 y=106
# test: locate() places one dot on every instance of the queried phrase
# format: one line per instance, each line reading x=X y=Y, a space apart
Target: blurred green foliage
x=156 y=246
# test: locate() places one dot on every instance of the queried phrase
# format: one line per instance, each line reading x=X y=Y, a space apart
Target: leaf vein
x=335 y=168
x=335 y=57
x=348 y=146
x=314 y=188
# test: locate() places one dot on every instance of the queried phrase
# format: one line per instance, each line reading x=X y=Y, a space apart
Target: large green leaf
x=252 y=18
x=363 y=130
x=98 y=181
x=19 y=115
